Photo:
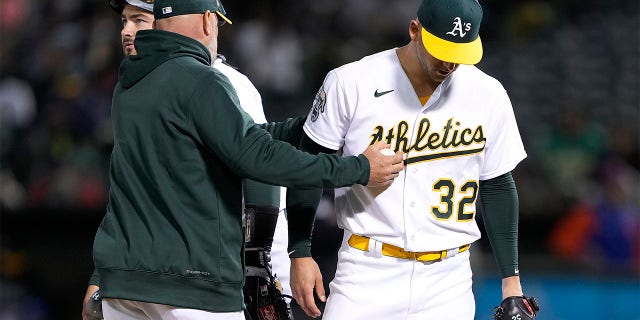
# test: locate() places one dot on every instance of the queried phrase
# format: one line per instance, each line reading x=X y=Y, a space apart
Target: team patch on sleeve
x=318 y=104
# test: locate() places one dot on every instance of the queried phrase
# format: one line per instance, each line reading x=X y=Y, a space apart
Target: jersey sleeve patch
x=318 y=104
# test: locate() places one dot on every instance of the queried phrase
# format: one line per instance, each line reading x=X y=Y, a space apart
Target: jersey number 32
x=465 y=207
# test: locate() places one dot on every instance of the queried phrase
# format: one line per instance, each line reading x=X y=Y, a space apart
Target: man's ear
x=207 y=22
x=415 y=30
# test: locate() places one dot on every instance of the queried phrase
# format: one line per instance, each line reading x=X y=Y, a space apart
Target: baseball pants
x=369 y=286
x=120 y=309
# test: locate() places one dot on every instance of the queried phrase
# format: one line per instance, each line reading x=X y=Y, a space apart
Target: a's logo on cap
x=458 y=27
x=167 y=10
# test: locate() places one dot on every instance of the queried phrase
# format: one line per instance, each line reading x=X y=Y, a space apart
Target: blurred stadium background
x=572 y=69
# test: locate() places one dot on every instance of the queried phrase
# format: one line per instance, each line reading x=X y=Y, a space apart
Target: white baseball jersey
x=466 y=132
x=248 y=95
x=251 y=103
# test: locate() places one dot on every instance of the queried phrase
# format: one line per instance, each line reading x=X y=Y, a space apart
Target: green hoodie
x=172 y=233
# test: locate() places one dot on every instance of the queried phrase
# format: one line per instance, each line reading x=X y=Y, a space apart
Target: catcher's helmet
x=118 y=5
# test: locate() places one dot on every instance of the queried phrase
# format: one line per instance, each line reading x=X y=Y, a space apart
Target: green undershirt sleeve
x=301 y=208
x=260 y=194
x=289 y=130
x=499 y=203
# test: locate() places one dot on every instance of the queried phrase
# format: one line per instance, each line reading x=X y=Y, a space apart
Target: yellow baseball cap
x=450 y=30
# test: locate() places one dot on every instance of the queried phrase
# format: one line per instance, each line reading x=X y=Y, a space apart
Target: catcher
x=263 y=293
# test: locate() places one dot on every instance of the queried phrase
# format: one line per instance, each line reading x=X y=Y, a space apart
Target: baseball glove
x=262 y=290
x=516 y=308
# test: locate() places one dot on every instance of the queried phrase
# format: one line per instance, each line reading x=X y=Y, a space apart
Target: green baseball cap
x=450 y=30
x=169 y=8
x=118 y=5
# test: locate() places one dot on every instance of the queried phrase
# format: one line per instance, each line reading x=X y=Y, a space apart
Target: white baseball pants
x=120 y=309
x=370 y=286
x=279 y=256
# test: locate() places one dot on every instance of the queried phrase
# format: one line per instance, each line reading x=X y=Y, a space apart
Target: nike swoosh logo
x=379 y=94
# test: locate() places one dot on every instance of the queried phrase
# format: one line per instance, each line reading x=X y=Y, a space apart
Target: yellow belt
x=362 y=243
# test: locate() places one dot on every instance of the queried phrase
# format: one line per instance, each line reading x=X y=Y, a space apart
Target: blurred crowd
x=572 y=69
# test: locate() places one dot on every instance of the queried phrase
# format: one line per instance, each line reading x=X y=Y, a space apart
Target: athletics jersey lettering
x=452 y=141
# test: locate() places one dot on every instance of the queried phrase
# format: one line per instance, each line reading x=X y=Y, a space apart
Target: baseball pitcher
x=406 y=247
